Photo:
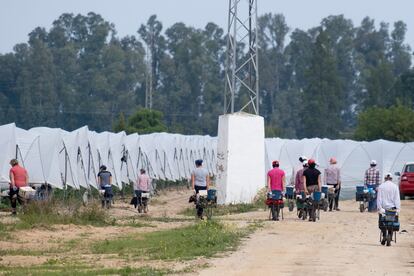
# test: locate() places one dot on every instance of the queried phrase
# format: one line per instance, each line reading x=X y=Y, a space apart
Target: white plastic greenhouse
x=55 y=156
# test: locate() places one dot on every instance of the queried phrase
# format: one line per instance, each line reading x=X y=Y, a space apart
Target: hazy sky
x=19 y=17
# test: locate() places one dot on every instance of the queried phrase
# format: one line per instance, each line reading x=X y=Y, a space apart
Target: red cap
x=311 y=161
x=274 y=163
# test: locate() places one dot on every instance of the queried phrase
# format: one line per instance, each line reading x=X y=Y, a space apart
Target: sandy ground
x=167 y=205
x=340 y=243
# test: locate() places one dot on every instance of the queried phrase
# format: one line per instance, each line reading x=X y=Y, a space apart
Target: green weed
x=202 y=239
x=53 y=268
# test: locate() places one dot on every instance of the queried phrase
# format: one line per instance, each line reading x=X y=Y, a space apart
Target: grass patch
x=202 y=239
x=56 y=269
x=46 y=213
x=222 y=210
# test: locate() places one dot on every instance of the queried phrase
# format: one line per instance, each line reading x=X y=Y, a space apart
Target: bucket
x=211 y=194
x=289 y=191
x=316 y=196
x=276 y=194
x=325 y=189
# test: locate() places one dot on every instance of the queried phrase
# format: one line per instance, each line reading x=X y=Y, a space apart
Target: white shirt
x=388 y=196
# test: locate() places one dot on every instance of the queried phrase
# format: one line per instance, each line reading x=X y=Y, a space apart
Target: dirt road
x=341 y=243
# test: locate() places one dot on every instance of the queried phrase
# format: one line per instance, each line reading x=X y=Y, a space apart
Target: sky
x=19 y=17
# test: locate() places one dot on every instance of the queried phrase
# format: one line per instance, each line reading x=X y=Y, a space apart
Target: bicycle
x=275 y=203
x=389 y=225
x=143 y=204
x=205 y=202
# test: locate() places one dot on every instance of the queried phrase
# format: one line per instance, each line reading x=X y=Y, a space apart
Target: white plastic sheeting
x=353 y=157
x=52 y=155
x=61 y=158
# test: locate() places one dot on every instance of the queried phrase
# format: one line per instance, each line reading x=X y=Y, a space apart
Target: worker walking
x=18 y=178
x=275 y=182
x=388 y=198
x=105 y=184
x=299 y=178
x=311 y=178
x=200 y=180
x=372 y=180
x=333 y=179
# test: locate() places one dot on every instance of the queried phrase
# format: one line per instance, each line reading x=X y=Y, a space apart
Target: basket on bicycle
x=316 y=196
x=289 y=192
x=274 y=198
x=211 y=195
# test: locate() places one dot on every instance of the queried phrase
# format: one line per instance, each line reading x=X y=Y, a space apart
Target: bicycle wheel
x=313 y=215
x=389 y=237
x=291 y=206
x=209 y=212
x=361 y=207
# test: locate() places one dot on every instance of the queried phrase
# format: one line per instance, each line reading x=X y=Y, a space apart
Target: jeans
x=336 y=197
x=14 y=197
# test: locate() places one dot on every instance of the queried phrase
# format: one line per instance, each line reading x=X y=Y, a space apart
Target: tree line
x=313 y=83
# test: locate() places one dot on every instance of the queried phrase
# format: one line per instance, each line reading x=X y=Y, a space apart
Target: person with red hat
x=311 y=178
x=333 y=179
x=275 y=182
x=276 y=178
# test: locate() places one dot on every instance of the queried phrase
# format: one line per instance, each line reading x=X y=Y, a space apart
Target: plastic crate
x=360 y=189
x=27 y=192
x=211 y=194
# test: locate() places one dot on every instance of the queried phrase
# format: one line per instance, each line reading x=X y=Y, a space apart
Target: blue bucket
x=325 y=189
x=211 y=194
x=316 y=196
x=289 y=191
x=360 y=189
x=276 y=194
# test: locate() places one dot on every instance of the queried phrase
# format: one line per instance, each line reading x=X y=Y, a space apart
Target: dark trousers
x=336 y=199
x=138 y=194
x=14 y=197
x=198 y=205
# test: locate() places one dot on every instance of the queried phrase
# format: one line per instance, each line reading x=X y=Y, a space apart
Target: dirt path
x=341 y=243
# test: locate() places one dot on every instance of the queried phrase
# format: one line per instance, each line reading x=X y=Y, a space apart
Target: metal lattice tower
x=242 y=72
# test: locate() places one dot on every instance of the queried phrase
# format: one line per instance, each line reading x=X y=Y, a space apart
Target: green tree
x=322 y=97
x=121 y=124
x=146 y=121
x=395 y=123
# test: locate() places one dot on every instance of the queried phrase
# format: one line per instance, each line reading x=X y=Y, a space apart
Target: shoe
x=383 y=240
x=337 y=209
x=388 y=243
x=330 y=210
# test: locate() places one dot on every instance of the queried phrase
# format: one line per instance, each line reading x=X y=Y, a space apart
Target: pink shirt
x=299 y=180
x=143 y=182
x=19 y=174
x=276 y=177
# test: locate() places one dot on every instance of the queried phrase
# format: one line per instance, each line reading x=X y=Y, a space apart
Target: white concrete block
x=240 y=157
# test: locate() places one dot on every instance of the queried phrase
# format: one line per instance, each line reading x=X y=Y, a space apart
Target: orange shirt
x=19 y=174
